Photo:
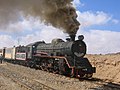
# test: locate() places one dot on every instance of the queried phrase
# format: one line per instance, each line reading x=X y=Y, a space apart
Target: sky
x=100 y=23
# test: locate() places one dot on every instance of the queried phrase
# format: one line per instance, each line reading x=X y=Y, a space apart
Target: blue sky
x=99 y=19
x=108 y=6
x=111 y=7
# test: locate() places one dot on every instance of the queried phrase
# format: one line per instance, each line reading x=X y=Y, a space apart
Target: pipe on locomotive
x=72 y=37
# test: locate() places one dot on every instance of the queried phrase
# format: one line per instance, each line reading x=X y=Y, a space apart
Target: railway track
x=31 y=82
x=109 y=84
x=104 y=83
x=24 y=82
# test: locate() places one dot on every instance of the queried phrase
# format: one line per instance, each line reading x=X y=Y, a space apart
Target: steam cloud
x=58 y=13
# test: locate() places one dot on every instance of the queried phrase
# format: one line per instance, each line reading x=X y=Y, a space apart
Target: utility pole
x=18 y=41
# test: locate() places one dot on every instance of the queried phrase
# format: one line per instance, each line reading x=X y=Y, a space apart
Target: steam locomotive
x=63 y=57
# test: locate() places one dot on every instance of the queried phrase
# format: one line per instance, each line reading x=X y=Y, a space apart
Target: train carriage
x=10 y=53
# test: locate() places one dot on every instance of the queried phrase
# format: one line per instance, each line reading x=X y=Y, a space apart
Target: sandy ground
x=108 y=68
x=58 y=82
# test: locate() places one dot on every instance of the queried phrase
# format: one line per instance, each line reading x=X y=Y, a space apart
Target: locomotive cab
x=31 y=49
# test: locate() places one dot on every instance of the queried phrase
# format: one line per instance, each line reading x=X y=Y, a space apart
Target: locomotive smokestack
x=72 y=37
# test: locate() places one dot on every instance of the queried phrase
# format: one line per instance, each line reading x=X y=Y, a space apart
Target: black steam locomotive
x=61 y=57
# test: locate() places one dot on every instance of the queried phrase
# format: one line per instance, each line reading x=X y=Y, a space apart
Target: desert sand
x=107 y=66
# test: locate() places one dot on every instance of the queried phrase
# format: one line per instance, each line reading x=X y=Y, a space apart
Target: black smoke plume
x=58 y=13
